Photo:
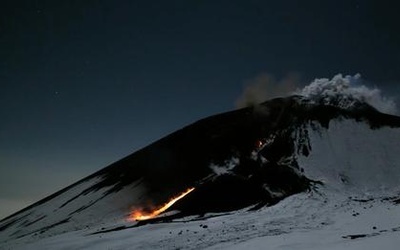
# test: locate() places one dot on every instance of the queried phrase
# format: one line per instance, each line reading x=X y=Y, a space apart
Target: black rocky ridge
x=260 y=141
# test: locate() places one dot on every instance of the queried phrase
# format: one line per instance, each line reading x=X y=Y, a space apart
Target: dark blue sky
x=84 y=83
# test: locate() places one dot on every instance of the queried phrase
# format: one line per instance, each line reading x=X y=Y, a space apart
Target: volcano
x=290 y=165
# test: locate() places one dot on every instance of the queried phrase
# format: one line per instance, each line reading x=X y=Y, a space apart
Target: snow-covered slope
x=352 y=157
x=320 y=170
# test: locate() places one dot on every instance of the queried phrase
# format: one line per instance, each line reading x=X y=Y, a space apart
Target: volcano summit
x=325 y=159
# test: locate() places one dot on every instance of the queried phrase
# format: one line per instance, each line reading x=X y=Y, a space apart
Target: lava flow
x=139 y=215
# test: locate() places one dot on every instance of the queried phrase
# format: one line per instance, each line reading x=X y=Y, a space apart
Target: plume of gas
x=264 y=87
x=344 y=90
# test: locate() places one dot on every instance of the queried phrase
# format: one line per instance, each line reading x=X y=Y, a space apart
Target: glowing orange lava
x=141 y=215
x=260 y=144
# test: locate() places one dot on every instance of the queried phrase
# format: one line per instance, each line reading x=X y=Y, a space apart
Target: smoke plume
x=344 y=90
x=264 y=87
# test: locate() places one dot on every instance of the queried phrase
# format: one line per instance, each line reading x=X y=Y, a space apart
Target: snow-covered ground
x=357 y=207
x=304 y=221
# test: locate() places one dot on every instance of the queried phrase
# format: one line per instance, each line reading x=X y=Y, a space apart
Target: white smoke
x=344 y=91
x=226 y=168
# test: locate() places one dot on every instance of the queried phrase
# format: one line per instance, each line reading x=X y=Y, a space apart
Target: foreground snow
x=304 y=221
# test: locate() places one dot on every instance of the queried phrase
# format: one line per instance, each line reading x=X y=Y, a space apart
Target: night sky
x=85 y=83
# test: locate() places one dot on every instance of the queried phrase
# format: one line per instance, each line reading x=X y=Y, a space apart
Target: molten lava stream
x=141 y=215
